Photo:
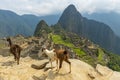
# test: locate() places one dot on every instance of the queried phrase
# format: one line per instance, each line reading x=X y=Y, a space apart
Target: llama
x=51 y=55
x=15 y=50
x=58 y=55
x=62 y=55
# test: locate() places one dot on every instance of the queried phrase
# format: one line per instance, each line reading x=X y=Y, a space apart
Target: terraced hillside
x=31 y=54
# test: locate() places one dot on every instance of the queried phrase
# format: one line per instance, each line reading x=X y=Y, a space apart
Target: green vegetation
x=79 y=51
x=103 y=58
x=59 y=40
x=114 y=62
x=100 y=54
x=42 y=29
x=100 y=58
x=88 y=59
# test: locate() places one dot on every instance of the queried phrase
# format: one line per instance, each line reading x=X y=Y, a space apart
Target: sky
x=51 y=7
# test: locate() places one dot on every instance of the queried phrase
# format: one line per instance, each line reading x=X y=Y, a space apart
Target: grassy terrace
x=112 y=59
x=101 y=55
x=58 y=40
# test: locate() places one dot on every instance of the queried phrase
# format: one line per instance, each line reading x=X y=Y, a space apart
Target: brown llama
x=62 y=55
x=15 y=50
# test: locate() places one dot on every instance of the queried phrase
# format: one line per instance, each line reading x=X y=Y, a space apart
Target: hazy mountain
x=12 y=24
x=50 y=19
x=100 y=33
x=112 y=19
x=31 y=20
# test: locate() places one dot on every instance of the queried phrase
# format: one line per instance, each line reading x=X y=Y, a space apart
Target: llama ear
x=42 y=49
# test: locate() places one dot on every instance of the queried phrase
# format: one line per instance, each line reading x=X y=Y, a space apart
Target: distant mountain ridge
x=100 y=33
x=112 y=19
x=12 y=24
x=50 y=19
x=31 y=20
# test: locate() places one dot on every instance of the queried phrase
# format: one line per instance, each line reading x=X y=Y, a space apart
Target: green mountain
x=100 y=33
x=12 y=24
x=41 y=29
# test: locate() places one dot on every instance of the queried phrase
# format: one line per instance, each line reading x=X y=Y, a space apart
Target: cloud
x=47 y=7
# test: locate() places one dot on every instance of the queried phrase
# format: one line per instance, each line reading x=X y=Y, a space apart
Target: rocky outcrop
x=9 y=70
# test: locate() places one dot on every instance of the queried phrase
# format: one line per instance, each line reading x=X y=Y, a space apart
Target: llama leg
x=50 y=62
x=57 y=64
x=17 y=60
x=18 y=57
x=69 y=64
x=14 y=56
x=60 y=64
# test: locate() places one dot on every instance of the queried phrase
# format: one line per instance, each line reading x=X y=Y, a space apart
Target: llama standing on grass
x=58 y=55
x=15 y=50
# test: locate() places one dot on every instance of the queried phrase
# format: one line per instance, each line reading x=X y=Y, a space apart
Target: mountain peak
x=43 y=22
x=70 y=16
x=42 y=28
x=71 y=7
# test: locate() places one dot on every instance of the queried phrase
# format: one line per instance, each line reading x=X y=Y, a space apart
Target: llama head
x=43 y=49
x=43 y=52
x=8 y=39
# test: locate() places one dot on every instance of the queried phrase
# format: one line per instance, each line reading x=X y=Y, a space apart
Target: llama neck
x=50 y=54
x=48 y=51
x=10 y=42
